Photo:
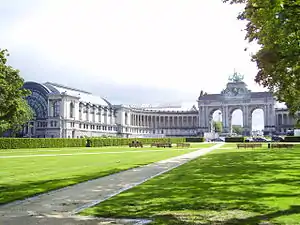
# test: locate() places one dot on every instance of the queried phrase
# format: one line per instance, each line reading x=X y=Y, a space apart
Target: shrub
x=195 y=139
x=292 y=139
x=14 y=143
x=100 y=142
x=234 y=139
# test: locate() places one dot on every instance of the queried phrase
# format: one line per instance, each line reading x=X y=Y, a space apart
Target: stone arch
x=38 y=99
x=211 y=112
x=231 y=114
x=253 y=110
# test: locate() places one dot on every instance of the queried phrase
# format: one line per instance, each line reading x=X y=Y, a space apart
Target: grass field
x=27 y=172
x=226 y=186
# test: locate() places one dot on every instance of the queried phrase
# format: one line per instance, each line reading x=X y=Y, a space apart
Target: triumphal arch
x=235 y=96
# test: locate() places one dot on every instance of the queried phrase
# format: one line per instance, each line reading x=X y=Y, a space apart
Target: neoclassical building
x=66 y=112
x=61 y=111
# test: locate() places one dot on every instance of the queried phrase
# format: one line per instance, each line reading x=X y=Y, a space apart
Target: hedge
x=234 y=139
x=18 y=143
x=292 y=139
x=194 y=139
x=100 y=142
x=13 y=143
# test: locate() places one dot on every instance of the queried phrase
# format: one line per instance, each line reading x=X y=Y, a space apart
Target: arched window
x=71 y=110
x=126 y=118
x=56 y=109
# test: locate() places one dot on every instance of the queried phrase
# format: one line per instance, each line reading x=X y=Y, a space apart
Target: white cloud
x=188 y=45
x=184 y=45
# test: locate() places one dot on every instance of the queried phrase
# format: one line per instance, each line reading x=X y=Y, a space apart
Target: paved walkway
x=60 y=206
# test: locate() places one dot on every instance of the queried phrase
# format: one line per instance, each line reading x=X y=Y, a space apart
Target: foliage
x=292 y=139
x=14 y=111
x=217 y=126
x=275 y=25
x=227 y=186
x=18 y=143
x=195 y=139
x=235 y=139
x=238 y=129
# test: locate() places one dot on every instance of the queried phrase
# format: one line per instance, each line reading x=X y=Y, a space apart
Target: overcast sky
x=132 y=51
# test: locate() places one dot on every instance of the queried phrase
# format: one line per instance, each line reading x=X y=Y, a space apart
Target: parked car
x=249 y=139
x=218 y=140
x=260 y=139
x=277 y=138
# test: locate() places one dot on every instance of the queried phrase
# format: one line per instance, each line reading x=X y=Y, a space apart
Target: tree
x=275 y=25
x=14 y=110
x=238 y=129
x=217 y=125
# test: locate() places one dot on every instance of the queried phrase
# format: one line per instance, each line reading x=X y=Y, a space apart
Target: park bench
x=135 y=144
x=246 y=145
x=282 y=145
x=162 y=145
x=183 y=145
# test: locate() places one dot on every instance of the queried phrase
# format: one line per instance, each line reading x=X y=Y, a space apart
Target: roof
x=183 y=107
x=211 y=97
x=84 y=96
x=220 y=96
x=261 y=94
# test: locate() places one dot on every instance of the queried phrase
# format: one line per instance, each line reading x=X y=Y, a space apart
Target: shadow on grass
x=171 y=219
x=226 y=187
x=11 y=192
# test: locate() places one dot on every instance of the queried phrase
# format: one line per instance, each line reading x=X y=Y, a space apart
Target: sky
x=133 y=51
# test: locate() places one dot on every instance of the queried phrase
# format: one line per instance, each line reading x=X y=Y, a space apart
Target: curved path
x=59 y=207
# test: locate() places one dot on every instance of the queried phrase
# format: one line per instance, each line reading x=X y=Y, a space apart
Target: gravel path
x=59 y=207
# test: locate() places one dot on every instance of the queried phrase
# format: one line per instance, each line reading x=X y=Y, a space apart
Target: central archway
x=257 y=121
x=237 y=122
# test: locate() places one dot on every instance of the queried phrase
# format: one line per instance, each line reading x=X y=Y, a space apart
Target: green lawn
x=29 y=173
x=227 y=186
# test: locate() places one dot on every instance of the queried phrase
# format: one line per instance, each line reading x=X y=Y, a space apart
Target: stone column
x=100 y=115
x=50 y=108
x=112 y=118
x=62 y=108
x=87 y=115
x=266 y=119
x=228 y=123
x=105 y=116
x=272 y=115
x=200 y=115
x=206 y=119
x=246 y=122
x=94 y=115
x=225 y=119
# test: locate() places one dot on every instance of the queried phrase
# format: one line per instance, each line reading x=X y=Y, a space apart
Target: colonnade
x=284 y=118
x=162 y=121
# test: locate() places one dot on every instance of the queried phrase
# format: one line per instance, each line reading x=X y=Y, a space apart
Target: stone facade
x=236 y=96
x=66 y=112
